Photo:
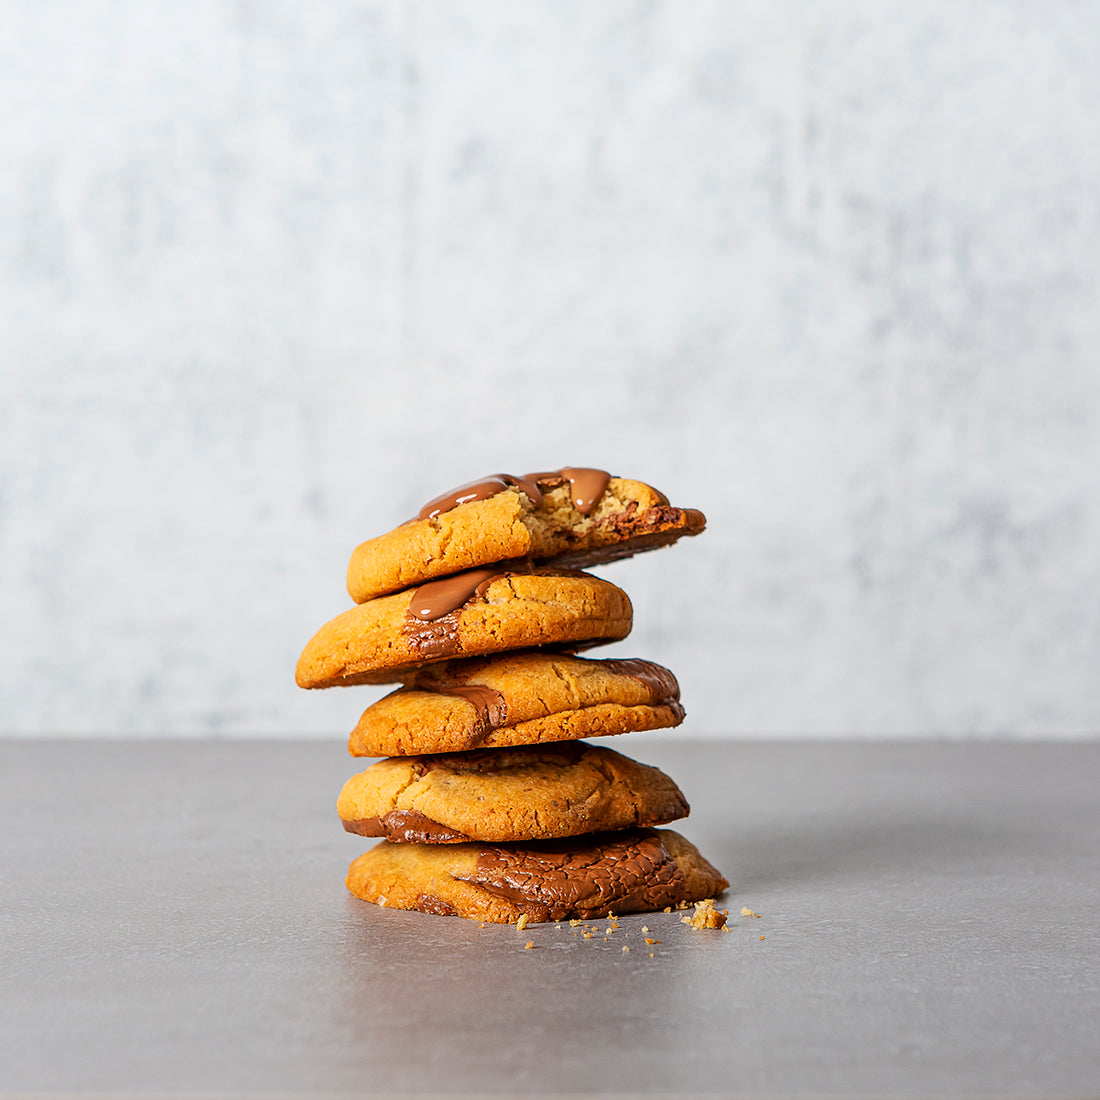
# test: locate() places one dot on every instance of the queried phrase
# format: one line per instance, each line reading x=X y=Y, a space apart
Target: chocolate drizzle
x=586 y=486
x=585 y=877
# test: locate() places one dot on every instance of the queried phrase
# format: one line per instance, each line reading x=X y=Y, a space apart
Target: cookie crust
x=527 y=698
x=371 y=643
x=504 y=795
x=635 y=871
x=628 y=518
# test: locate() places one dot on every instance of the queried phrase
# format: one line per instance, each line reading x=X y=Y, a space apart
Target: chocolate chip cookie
x=517 y=699
x=574 y=517
x=475 y=613
x=496 y=795
x=637 y=870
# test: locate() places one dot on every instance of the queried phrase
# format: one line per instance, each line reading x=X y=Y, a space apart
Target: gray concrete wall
x=273 y=274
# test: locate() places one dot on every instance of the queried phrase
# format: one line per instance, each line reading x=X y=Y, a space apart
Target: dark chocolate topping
x=585 y=877
x=586 y=486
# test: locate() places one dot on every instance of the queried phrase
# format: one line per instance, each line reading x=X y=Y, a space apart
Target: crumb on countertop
x=705 y=915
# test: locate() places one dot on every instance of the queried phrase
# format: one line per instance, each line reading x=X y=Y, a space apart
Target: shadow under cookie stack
x=490 y=805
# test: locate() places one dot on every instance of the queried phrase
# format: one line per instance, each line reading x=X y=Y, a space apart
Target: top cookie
x=573 y=518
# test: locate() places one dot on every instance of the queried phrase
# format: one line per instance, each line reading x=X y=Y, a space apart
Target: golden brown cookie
x=639 y=870
x=517 y=699
x=476 y=613
x=533 y=793
x=572 y=517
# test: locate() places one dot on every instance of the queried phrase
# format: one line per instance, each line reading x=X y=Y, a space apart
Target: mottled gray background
x=271 y=274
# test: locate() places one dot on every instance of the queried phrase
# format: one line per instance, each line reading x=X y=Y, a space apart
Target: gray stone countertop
x=174 y=922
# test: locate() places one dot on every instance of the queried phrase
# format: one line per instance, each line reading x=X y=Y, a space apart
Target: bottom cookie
x=637 y=870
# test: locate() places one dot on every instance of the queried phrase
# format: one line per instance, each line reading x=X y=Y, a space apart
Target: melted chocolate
x=429 y=903
x=585 y=877
x=586 y=486
x=432 y=641
x=438 y=598
x=492 y=711
x=431 y=620
x=659 y=680
x=481 y=489
x=405 y=827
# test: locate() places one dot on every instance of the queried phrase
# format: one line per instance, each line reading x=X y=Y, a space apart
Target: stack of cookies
x=490 y=805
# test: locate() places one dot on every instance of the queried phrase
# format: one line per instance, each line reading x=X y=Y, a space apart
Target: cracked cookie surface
x=626 y=518
x=517 y=699
x=639 y=870
x=498 y=795
x=382 y=642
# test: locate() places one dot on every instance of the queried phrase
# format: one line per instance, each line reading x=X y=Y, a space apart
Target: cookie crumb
x=650 y=941
x=521 y=924
x=626 y=950
x=574 y=923
x=644 y=929
x=528 y=945
x=746 y=912
x=761 y=937
x=705 y=915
